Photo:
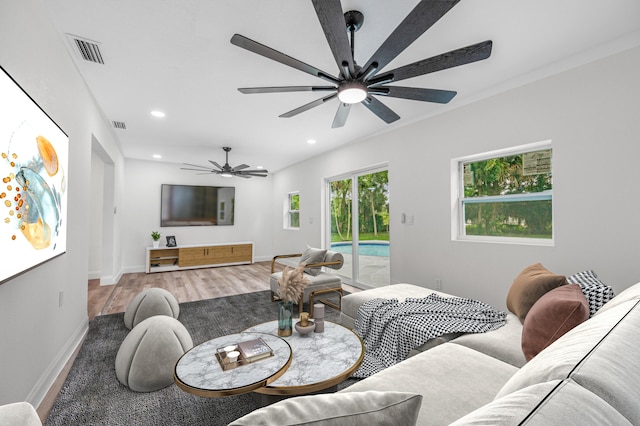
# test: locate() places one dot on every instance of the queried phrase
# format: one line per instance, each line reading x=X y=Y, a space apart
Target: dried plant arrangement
x=292 y=283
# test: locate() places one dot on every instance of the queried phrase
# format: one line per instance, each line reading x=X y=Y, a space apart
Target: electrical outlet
x=439 y=285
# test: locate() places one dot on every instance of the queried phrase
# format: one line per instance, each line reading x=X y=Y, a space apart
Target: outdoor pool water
x=365 y=249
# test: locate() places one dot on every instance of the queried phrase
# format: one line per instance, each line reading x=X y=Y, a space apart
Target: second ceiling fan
x=361 y=84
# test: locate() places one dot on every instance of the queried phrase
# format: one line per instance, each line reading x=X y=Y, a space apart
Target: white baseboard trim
x=42 y=386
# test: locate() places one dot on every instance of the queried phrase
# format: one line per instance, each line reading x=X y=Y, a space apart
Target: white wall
x=253 y=215
x=96 y=217
x=36 y=334
x=590 y=114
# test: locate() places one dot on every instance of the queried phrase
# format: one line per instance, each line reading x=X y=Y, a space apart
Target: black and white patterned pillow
x=595 y=291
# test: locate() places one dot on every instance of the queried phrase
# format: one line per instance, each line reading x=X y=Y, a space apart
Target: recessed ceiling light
x=157 y=156
x=158 y=114
x=311 y=141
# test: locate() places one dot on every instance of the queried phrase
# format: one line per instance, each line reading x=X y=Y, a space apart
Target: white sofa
x=590 y=375
x=19 y=414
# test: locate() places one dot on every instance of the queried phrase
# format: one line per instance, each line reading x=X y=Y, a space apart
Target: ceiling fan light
x=352 y=93
x=226 y=175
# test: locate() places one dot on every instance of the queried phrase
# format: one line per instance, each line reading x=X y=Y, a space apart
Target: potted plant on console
x=156 y=237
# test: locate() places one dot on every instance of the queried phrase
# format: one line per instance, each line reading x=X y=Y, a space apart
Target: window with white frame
x=505 y=195
x=293 y=211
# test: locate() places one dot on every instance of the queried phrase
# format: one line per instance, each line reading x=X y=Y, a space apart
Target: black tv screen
x=190 y=205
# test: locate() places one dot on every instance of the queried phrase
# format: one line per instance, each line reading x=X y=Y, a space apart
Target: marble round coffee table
x=199 y=372
x=320 y=361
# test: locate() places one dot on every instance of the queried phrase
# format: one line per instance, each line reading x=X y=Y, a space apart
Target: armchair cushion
x=312 y=255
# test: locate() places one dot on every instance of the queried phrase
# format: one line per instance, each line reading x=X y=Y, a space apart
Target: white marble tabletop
x=320 y=360
x=199 y=372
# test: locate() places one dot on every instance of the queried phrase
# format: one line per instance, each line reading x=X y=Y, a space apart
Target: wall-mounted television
x=33 y=191
x=192 y=205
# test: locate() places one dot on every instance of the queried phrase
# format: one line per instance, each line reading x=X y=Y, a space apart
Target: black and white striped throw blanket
x=390 y=329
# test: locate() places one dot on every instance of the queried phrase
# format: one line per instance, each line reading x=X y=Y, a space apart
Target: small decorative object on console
x=156 y=236
x=171 y=241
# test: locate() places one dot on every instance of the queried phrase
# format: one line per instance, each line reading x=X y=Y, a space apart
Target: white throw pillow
x=312 y=255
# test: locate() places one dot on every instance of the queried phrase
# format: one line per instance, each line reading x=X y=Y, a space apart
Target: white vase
x=156 y=244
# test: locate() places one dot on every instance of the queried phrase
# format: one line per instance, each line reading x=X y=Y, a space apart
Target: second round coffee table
x=320 y=361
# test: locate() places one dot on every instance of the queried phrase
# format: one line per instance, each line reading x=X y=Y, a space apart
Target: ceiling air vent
x=119 y=125
x=89 y=50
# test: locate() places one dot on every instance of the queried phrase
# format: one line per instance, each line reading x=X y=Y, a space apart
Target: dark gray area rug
x=92 y=395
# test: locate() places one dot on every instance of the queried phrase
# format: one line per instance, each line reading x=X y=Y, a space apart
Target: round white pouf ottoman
x=148 y=303
x=148 y=355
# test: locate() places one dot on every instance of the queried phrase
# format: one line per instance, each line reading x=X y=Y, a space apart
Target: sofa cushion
x=596 y=292
x=312 y=255
x=503 y=343
x=600 y=355
x=534 y=281
x=555 y=313
x=453 y=380
x=354 y=408
x=548 y=403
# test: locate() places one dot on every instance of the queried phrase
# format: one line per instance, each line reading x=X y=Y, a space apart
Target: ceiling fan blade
x=242 y=176
x=253 y=171
x=252 y=174
x=380 y=109
x=419 y=20
x=341 y=115
x=308 y=106
x=195 y=165
x=267 y=52
x=420 y=94
x=464 y=55
x=333 y=24
x=252 y=90
x=216 y=164
x=204 y=169
x=240 y=167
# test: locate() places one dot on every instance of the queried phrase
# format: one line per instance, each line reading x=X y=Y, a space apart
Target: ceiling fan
x=227 y=170
x=362 y=84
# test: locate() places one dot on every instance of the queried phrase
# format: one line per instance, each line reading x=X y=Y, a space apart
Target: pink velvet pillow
x=534 y=281
x=555 y=313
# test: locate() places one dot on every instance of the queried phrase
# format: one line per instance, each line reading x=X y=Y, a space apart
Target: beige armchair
x=321 y=282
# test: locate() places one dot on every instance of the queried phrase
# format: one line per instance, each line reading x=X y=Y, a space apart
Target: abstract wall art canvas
x=33 y=193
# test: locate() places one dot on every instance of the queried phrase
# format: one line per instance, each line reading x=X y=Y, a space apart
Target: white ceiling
x=175 y=56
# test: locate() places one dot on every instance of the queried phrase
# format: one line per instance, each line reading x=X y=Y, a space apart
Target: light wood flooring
x=186 y=286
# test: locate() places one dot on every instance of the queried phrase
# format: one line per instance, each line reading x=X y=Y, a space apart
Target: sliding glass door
x=358 y=218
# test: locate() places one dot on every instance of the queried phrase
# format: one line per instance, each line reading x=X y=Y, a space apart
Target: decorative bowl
x=305 y=330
